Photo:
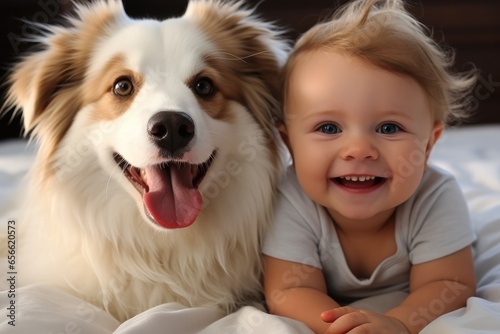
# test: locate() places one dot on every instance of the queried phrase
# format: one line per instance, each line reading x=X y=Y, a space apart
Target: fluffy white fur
x=83 y=225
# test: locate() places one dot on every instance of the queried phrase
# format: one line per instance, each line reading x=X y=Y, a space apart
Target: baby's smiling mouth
x=358 y=181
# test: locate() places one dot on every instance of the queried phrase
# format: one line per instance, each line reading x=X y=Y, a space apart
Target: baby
x=361 y=216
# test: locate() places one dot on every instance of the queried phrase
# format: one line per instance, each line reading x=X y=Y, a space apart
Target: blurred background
x=471 y=28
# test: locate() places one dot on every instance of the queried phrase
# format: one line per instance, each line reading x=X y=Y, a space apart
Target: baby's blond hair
x=384 y=34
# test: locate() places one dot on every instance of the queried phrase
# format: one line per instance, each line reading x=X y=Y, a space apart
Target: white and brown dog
x=157 y=158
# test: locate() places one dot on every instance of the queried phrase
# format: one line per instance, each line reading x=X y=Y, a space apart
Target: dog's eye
x=123 y=87
x=204 y=87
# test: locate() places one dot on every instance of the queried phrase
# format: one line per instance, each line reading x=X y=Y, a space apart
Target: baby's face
x=360 y=135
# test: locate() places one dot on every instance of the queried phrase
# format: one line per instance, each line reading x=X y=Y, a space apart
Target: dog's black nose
x=171 y=131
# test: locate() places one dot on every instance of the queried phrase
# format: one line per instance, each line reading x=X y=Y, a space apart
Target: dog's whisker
x=109 y=180
x=94 y=162
x=113 y=171
x=232 y=56
x=255 y=54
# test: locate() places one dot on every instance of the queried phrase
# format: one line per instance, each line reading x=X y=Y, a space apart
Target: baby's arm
x=297 y=291
x=437 y=287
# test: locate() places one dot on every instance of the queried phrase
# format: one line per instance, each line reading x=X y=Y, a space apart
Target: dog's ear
x=39 y=80
x=249 y=50
x=44 y=84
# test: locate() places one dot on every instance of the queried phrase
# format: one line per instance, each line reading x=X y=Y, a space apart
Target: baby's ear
x=283 y=133
x=437 y=131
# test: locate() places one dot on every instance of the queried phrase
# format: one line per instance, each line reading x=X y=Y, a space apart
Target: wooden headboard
x=472 y=28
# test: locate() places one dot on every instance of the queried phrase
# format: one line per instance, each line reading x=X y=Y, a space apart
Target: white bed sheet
x=472 y=154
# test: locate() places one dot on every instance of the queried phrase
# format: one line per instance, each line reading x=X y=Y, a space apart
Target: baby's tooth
x=358 y=178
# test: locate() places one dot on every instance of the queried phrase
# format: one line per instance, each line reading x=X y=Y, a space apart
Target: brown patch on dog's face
x=112 y=90
x=214 y=92
x=46 y=85
x=249 y=71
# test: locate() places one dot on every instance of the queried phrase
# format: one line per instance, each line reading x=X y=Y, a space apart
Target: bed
x=471 y=153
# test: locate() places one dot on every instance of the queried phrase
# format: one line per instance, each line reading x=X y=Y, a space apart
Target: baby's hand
x=352 y=320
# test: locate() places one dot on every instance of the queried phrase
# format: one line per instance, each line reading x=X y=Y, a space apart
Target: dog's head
x=157 y=105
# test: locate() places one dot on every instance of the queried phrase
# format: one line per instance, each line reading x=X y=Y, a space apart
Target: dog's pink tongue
x=172 y=201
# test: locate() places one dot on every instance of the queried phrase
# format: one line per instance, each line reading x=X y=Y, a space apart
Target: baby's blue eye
x=329 y=129
x=388 y=128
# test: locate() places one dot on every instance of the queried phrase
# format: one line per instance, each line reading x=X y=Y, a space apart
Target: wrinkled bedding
x=472 y=154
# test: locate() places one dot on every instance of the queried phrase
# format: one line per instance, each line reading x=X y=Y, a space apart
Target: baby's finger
x=347 y=319
x=334 y=314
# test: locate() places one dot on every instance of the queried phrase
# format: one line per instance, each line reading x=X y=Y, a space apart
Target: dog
x=157 y=160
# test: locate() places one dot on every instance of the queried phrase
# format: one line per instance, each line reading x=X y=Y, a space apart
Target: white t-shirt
x=432 y=223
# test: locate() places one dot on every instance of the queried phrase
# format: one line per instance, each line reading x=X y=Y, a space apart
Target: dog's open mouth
x=169 y=190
